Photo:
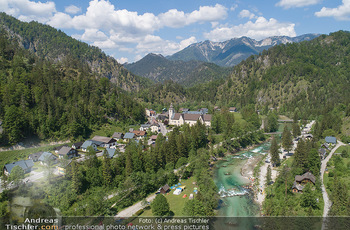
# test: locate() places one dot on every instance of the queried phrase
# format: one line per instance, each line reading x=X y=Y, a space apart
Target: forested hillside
x=62 y=99
x=54 y=45
x=187 y=73
x=307 y=75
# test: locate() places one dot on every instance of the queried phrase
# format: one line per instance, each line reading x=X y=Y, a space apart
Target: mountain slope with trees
x=59 y=99
x=187 y=73
x=309 y=76
x=48 y=43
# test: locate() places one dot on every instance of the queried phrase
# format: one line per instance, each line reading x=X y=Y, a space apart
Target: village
x=60 y=157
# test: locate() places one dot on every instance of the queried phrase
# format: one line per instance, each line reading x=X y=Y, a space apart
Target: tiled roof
x=139 y=133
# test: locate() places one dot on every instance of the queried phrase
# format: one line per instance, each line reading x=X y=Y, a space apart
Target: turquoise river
x=235 y=199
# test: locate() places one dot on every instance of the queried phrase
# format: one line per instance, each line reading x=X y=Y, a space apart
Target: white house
x=179 y=119
x=88 y=143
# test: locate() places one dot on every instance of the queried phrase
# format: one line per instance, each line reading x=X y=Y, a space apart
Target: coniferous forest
x=56 y=100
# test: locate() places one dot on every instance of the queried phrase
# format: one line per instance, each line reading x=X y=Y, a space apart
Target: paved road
x=327 y=202
x=34 y=176
x=163 y=129
x=130 y=211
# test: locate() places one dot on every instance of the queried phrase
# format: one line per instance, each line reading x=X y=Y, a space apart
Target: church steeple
x=171 y=111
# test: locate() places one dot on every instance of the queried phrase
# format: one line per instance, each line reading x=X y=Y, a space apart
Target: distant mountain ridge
x=159 y=69
x=232 y=52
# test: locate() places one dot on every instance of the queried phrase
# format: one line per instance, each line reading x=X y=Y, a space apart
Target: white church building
x=191 y=117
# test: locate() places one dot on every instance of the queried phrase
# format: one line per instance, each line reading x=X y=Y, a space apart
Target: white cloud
x=234 y=7
x=155 y=44
x=286 y=4
x=259 y=29
x=138 y=57
x=107 y=44
x=214 y=24
x=72 y=9
x=93 y=35
x=60 y=20
x=174 y=18
x=105 y=26
x=342 y=12
x=187 y=42
x=122 y=60
x=28 y=10
x=246 y=14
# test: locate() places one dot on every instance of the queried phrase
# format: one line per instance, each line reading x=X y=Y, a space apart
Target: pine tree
x=287 y=141
x=106 y=170
x=296 y=129
x=76 y=182
x=274 y=151
x=340 y=199
x=314 y=162
x=268 y=175
x=300 y=156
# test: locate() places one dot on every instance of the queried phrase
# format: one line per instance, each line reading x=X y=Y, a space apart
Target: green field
x=107 y=130
x=341 y=148
x=176 y=202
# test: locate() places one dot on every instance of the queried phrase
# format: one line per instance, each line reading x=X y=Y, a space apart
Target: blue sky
x=128 y=30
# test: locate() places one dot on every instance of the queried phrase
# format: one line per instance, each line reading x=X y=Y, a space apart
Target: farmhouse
x=128 y=137
x=301 y=181
x=331 y=140
x=26 y=165
x=145 y=127
x=35 y=156
x=117 y=136
x=322 y=153
x=77 y=145
x=87 y=144
x=139 y=134
x=106 y=142
x=67 y=151
x=46 y=157
x=155 y=128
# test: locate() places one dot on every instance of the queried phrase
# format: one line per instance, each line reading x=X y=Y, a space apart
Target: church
x=190 y=117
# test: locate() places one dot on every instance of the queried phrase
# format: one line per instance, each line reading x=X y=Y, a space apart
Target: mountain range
x=205 y=61
x=232 y=52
